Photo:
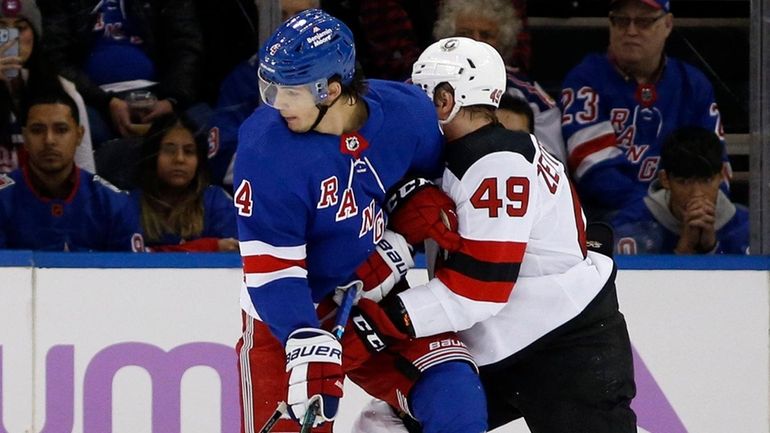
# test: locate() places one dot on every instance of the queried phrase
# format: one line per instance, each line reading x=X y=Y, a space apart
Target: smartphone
x=10 y=34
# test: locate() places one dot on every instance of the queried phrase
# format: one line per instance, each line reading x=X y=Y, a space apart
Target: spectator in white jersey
x=496 y=23
x=537 y=310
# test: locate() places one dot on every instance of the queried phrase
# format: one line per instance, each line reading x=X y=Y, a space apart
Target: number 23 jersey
x=523 y=269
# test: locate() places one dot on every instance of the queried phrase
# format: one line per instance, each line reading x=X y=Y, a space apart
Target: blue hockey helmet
x=307 y=50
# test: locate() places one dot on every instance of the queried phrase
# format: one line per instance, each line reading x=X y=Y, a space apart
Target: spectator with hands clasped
x=685 y=211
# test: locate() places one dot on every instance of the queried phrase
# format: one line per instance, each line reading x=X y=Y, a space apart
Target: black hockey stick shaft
x=339 y=328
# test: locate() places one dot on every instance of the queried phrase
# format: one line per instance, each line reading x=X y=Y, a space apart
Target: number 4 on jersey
x=242 y=199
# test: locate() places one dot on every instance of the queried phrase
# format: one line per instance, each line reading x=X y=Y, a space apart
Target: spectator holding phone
x=25 y=68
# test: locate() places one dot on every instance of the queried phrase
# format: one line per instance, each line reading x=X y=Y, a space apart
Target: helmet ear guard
x=474 y=69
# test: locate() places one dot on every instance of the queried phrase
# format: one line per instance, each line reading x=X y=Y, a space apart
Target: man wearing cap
x=619 y=106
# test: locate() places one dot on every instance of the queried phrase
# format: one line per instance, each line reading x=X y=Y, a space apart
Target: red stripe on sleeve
x=494 y=251
x=477 y=290
x=262 y=264
x=588 y=148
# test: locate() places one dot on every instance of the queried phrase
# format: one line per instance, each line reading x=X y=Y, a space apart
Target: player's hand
x=314 y=364
x=418 y=210
x=382 y=270
x=376 y=324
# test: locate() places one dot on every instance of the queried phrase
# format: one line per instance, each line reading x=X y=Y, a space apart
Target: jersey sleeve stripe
x=494 y=251
x=253 y=248
x=481 y=270
x=254 y=280
x=263 y=264
x=578 y=154
x=474 y=289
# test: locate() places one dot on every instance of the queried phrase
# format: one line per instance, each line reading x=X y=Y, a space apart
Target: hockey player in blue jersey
x=50 y=203
x=685 y=212
x=619 y=106
x=313 y=166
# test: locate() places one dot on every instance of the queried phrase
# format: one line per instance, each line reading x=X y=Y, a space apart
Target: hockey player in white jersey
x=537 y=310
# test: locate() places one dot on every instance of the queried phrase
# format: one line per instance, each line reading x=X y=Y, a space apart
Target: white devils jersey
x=523 y=269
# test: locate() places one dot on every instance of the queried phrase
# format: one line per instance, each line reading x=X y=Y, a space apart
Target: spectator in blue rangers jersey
x=179 y=210
x=496 y=23
x=314 y=163
x=619 y=106
x=50 y=203
x=684 y=211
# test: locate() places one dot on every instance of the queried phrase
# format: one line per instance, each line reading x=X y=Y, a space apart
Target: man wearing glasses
x=617 y=107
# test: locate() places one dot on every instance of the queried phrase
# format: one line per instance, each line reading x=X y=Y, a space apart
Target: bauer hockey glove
x=314 y=364
x=418 y=209
x=382 y=270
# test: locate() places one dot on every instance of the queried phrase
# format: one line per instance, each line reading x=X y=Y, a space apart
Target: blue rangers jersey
x=96 y=216
x=310 y=205
x=547 y=113
x=614 y=128
x=648 y=226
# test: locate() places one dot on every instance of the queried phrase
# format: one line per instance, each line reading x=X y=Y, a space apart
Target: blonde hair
x=159 y=217
x=500 y=11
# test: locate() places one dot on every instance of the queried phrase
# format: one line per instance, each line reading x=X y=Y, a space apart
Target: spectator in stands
x=50 y=203
x=179 y=210
x=619 y=106
x=29 y=70
x=515 y=114
x=100 y=42
x=495 y=22
x=684 y=211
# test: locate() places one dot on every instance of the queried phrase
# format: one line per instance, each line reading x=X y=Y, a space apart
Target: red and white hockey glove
x=418 y=210
x=314 y=364
x=382 y=270
x=375 y=325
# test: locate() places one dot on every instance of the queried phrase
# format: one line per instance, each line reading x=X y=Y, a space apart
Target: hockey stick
x=339 y=328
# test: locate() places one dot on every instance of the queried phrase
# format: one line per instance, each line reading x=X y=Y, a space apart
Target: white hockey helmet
x=474 y=69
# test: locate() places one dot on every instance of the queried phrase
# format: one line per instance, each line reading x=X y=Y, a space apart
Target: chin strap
x=322 y=110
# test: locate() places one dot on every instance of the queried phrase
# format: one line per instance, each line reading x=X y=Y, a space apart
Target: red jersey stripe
x=263 y=264
x=588 y=148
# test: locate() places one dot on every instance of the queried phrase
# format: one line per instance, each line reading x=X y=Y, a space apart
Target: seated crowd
x=639 y=131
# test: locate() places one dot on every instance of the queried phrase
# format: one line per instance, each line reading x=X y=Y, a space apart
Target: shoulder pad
x=6 y=181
